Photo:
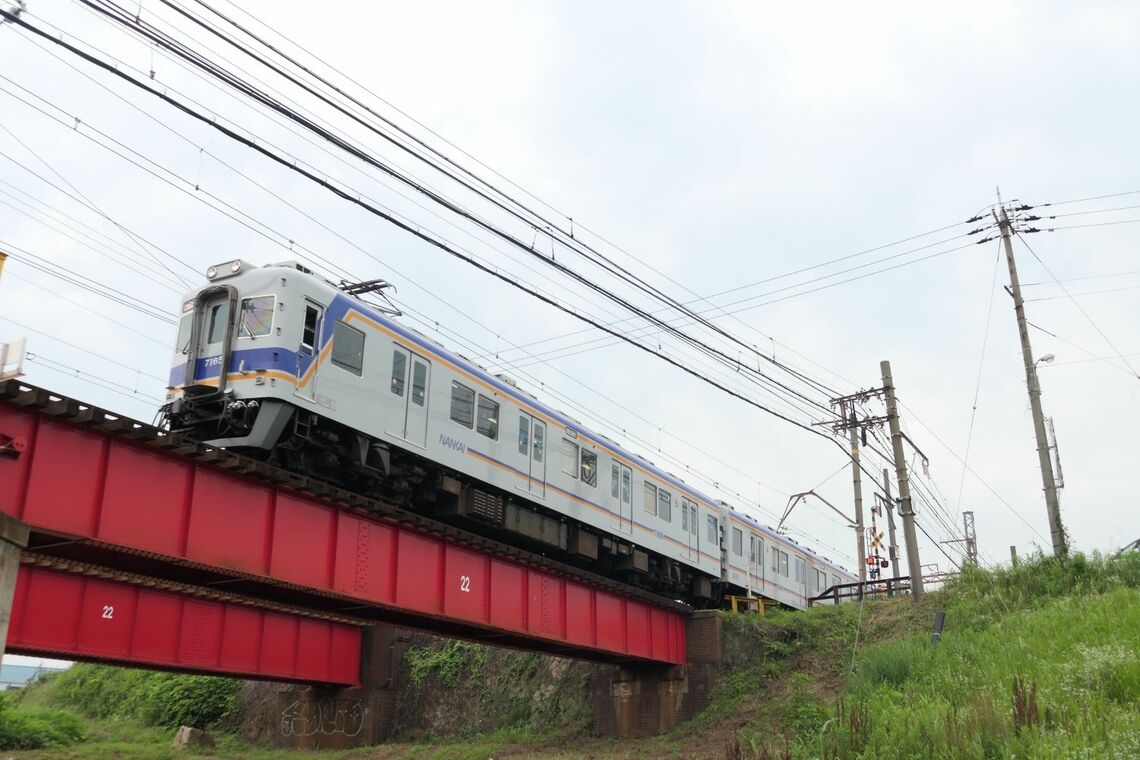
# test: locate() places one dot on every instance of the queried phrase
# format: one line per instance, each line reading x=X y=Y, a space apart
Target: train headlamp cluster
x=224 y=270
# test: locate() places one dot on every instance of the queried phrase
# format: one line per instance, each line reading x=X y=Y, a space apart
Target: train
x=278 y=363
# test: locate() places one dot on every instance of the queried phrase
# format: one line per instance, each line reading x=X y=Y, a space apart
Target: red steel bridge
x=152 y=550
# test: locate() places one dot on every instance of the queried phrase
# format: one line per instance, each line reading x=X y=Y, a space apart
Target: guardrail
x=881 y=587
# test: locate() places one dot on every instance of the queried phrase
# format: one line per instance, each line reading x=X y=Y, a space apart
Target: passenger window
x=800 y=571
x=665 y=505
x=775 y=560
x=650 y=498
x=589 y=468
x=524 y=434
x=348 y=348
x=309 y=331
x=570 y=458
x=462 y=405
x=614 y=479
x=784 y=564
x=711 y=521
x=399 y=371
x=488 y=418
x=256 y=316
x=219 y=315
x=419 y=382
x=835 y=580
x=737 y=542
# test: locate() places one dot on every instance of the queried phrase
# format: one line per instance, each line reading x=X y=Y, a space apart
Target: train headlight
x=211 y=273
x=235 y=267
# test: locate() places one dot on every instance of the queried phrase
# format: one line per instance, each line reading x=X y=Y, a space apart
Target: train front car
x=236 y=359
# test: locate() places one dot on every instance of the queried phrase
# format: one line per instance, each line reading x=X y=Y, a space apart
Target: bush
x=22 y=728
x=167 y=700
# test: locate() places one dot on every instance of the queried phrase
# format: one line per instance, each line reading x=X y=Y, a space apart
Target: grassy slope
x=1042 y=661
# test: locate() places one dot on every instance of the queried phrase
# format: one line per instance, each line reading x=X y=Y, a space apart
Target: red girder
x=59 y=614
x=79 y=482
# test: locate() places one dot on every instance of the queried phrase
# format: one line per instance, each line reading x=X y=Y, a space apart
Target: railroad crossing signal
x=876 y=539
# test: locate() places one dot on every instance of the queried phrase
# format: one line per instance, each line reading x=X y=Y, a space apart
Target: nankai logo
x=451 y=443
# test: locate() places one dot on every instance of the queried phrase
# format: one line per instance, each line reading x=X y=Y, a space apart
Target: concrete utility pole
x=857 y=482
x=1052 y=502
x=971 y=537
x=893 y=549
x=906 y=510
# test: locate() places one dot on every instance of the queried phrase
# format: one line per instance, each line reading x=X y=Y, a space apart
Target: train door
x=212 y=338
x=625 y=507
x=756 y=562
x=532 y=443
x=689 y=526
x=411 y=376
x=308 y=353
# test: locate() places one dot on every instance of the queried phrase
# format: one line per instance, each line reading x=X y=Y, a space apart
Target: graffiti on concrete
x=325 y=716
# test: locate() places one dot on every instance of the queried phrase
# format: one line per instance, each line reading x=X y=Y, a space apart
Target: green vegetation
x=450 y=660
x=1042 y=660
x=34 y=728
x=166 y=700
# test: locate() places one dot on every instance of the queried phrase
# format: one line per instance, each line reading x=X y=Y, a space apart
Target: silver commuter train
x=321 y=382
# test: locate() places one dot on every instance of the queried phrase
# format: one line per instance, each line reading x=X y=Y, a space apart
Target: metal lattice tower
x=971 y=537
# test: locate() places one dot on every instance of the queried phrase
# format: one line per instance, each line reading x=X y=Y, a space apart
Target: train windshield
x=256 y=316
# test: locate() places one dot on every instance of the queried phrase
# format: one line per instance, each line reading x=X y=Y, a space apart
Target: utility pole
x=1052 y=502
x=906 y=509
x=893 y=549
x=857 y=483
x=971 y=537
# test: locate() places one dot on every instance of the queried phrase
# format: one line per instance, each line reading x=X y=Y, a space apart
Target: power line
x=1079 y=307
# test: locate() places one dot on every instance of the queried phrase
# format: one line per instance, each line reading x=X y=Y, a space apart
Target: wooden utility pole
x=1052 y=502
x=906 y=509
x=893 y=549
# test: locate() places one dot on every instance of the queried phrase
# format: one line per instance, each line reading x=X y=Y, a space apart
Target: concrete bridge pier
x=343 y=718
x=645 y=700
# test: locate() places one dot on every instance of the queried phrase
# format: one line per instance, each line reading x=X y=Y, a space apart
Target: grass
x=1041 y=660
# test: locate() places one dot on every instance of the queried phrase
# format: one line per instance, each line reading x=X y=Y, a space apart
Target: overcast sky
x=719 y=145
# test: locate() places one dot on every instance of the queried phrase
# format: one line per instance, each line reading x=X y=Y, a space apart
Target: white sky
x=722 y=144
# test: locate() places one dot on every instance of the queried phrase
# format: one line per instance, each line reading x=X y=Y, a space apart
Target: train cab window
x=711 y=522
x=737 y=542
x=488 y=423
x=614 y=479
x=589 y=468
x=348 y=348
x=650 y=502
x=419 y=382
x=309 y=331
x=256 y=316
x=524 y=434
x=219 y=316
x=399 y=371
x=185 y=327
x=570 y=458
x=665 y=505
x=462 y=405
